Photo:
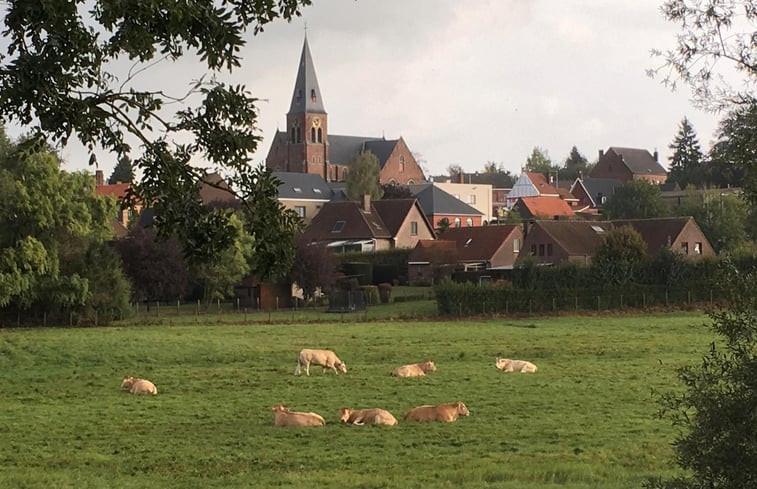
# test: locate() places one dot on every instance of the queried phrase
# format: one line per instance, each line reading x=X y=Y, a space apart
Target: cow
x=139 y=386
x=443 y=412
x=366 y=416
x=414 y=370
x=324 y=358
x=507 y=365
x=282 y=416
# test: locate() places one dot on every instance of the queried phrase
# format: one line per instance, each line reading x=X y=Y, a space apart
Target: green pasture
x=586 y=419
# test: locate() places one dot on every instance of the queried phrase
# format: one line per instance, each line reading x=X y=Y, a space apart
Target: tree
x=715 y=412
x=708 y=47
x=156 y=268
x=50 y=222
x=637 y=199
x=363 y=177
x=315 y=268
x=722 y=217
x=123 y=172
x=539 y=161
x=686 y=164
x=71 y=53
x=618 y=257
x=575 y=164
x=443 y=225
x=394 y=191
x=219 y=275
x=735 y=151
x=455 y=171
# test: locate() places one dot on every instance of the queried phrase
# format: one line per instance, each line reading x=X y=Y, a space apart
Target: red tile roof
x=117 y=190
x=547 y=207
x=541 y=183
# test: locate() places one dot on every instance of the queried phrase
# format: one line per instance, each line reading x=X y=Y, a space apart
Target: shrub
x=385 y=292
x=370 y=294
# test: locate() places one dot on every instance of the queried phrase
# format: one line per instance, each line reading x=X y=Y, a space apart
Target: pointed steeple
x=307 y=95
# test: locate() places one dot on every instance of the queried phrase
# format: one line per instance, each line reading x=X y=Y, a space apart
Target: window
x=291 y=136
x=297 y=190
x=312 y=94
x=469 y=222
x=516 y=245
x=541 y=250
x=320 y=135
x=414 y=228
x=410 y=182
x=697 y=248
x=317 y=190
x=468 y=242
x=300 y=210
x=471 y=199
x=312 y=134
x=457 y=222
x=338 y=226
x=685 y=248
x=549 y=249
x=533 y=250
x=402 y=167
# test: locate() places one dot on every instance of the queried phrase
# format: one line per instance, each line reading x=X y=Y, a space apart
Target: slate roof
x=639 y=161
x=307 y=94
x=545 y=206
x=303 y=186
x=657 y=233
x=358 y=224
x=342 y=149
x=479 y=242
x=596 y=186
x=576 y=237
x=395 y=211
x=434 y=200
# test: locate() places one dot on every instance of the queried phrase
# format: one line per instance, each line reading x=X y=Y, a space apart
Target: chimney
x=367 y=203
x=99 y=178
x=601 y=153
x=580 y=175
x=461 y=177
x=656 y=156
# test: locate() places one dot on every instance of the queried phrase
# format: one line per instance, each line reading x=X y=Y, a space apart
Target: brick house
x=626 y=164
x=543 y=208
x=530 y=184
x=304 y=193
x=485 y=247
x=306 y=146
x=438 y=205
x=593 y=193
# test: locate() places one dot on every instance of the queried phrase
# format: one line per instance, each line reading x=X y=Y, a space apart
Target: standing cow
x=324 y=358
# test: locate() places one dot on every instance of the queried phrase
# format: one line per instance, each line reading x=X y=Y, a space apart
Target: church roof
x=342 y=149
x=307 y=94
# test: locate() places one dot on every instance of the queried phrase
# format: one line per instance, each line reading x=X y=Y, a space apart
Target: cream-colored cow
x=415 y=369
x=282 y=416
x=443 y=412
x=366 y=416
x=507 y=365
x=324 y=358
x=139 y=386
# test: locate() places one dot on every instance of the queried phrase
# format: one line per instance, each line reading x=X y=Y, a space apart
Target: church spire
x=307 y=95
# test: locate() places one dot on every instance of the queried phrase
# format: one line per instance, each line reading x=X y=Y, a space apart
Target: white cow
x=324 y=358
x=414 y=370
x=139 y=386
x=282 y=416
x=507 y=365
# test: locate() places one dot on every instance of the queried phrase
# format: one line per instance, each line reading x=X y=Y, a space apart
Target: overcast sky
x=466 y=82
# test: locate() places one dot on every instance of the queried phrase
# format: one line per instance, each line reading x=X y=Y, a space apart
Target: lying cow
x=507 y=365
x=366 y=416
x=284 y=417
x=414 y=370
x=324 y=358
x=139 y=386
x=442 y=412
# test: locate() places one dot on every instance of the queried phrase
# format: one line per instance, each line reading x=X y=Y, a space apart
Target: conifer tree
x=686 y=163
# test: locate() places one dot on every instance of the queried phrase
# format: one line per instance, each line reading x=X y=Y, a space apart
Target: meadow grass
x=586 y=419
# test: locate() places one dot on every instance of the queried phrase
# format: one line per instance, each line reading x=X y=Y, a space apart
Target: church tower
x=307 y=122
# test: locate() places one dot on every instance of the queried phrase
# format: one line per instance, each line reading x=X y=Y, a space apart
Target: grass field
x=586 y=419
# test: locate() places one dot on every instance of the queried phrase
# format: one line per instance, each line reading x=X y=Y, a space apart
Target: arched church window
x=320 y=135
x=312 y=134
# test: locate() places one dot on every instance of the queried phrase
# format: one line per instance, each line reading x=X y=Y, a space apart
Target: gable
x=480 y=242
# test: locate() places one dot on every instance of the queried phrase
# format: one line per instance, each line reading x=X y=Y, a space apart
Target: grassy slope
x=586 y=419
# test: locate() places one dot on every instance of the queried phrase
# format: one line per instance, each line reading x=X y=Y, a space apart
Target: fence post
x=710 y=296
x=44 y=318
x=621 y=301
x=644 y=300
x=178 y=309
x=666 y=297
x=218 y=303
x=95 y=317
x=598 y=306
x=507 y=307
x=277 y=303
x=198 y=307
x=238 y=304
x=554 y=305
x=689 y=296
x=576 y=300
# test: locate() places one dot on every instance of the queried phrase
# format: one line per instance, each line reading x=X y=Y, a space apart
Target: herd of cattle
x=327 y=359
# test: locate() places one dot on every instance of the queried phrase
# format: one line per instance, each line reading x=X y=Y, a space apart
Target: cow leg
x=307 y=369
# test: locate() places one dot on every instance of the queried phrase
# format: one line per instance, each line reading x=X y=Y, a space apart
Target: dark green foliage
x=60 y=74
x=575 y=164
x=686 y=163
x=735 y=155
x=385 y=292
x=361 y=271
x=123 y=172
x=723 y=218
x=315 y=266
x=363 y=177
x=637 y=199
x=370 y=294
x=394 y=191
x=716 y=411
x=617 y=258
x=539 y=161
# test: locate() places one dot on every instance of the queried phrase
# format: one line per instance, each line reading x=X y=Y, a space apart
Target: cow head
x=428 y=366
x=344 y=414
x=341 y=367
x=127 y=383
x=279 y=408
x=502 y=363
x=462 y=410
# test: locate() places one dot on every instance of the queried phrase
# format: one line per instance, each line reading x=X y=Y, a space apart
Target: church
x=307 y=147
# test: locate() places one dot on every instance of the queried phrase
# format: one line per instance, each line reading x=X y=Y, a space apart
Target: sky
x=466 y=83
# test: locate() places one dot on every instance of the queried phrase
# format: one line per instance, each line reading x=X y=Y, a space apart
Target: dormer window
x=297 y=190
x=317 y=190
x=468 y=242
x=338 y=226
x=312 y=94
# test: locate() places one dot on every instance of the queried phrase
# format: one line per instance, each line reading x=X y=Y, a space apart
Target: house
x=430 y=261
x=369 y=226
x=680 y=234
x=593 y=193
x=627 y=164
x=306 y=146
x=485 y=247
x=542 y=208
x=118 y=192
x=304 y=193
x=556 y=242
x=439 y=205
x=476 y=195
x=530 y=184
x=500 y=182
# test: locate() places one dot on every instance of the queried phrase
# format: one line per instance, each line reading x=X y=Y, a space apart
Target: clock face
x=316 y=122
